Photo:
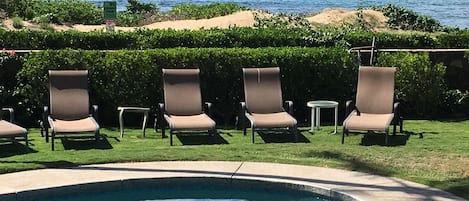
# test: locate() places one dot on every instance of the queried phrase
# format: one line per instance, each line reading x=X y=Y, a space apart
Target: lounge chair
x=374 y=109
x=263 y=105
x=10 y=130
x=182 y=108
x=69 y=108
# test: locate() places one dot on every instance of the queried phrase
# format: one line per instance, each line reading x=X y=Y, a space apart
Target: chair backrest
x=375 y=90
x=69 y=99
x=262 y=90
x=182 y=94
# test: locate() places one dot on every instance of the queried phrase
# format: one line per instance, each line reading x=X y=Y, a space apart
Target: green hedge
x=234 y=37
x=454 y=40
x=421 y=85
x=133 y=77
x=390 y=40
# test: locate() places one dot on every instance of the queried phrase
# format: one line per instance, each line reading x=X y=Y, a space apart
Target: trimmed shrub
x=458 y=39
x=390 y=40
x=234 y=37
x=420 y=85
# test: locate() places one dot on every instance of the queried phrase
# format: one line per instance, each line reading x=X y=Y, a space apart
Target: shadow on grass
x=85 y=143
x=457 y=186
x=352 y=162
x=378 y=138
x=14 y=148
x=281 y=136
x=45 y=164
x=201 y=139
x=370 y=139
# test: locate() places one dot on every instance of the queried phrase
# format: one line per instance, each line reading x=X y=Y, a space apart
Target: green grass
x=435 y=153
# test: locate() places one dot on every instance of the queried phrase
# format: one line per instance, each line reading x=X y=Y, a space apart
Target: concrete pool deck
x=361 y=186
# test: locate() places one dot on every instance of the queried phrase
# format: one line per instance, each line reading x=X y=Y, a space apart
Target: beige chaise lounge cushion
x=81 y=125
x=8 y=129
x=197 y=122
x=278 y=119
x=376 y=122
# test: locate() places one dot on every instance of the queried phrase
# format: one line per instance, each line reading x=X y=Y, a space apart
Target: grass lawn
x=435 y=153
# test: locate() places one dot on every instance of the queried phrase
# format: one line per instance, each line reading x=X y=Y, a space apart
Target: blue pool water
x=201 y=190
x=448 y=12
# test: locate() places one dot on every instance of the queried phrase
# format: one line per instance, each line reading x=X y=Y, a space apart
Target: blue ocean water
x=448 y=12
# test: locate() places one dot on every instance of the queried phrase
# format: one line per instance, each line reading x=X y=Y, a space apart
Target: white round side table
x=316 y=112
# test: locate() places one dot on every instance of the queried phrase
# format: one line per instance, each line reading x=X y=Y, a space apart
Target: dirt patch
x=340 y=17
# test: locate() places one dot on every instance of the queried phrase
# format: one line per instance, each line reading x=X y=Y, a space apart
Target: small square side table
x=143 y=110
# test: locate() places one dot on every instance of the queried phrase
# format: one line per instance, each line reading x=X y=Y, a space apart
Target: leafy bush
x=133 y=77
x=22 y=8
x=10 y=63
x=194 y=11
x=281 y=21
x=128 y=19
x=72 y=11
x=420 y=84
x=405 y=19
x=65 y=11
x=17 y=22
x=136 y=7
x=136 y=13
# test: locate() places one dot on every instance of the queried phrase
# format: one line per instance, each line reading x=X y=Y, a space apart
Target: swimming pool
x=185 y=189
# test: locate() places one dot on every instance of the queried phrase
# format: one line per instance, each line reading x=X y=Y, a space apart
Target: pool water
x=198 y=192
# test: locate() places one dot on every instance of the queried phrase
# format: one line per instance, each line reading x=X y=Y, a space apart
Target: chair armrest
x=94 y=112
x=45 y=115
x=241 y=115
x=396 y=108
x=208 y=108
x=289 y=107
x=11 y=113
x=161 y=108
x=349 y=106
x=397 y=111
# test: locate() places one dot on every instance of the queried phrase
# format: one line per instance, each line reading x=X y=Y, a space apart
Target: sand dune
x=239 y=19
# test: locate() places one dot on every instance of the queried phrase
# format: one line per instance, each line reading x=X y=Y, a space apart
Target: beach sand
x=240 y=19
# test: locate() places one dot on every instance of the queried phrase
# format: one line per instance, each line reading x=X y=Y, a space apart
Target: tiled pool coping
x=333 y=182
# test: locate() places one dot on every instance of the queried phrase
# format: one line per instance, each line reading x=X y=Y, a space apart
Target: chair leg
x=26 y=141
x=47 y=134
x=170 y=137
x=401 y=123
x=52 y=141
x=394 y=128
x=163 y=134
x=213 y=131
x=386 y=138
x=344 y=131
x=96 y=136
x=252 y=134
x=294 y=131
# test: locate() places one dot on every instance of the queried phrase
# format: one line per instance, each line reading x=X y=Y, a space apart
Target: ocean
x=447 y=12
